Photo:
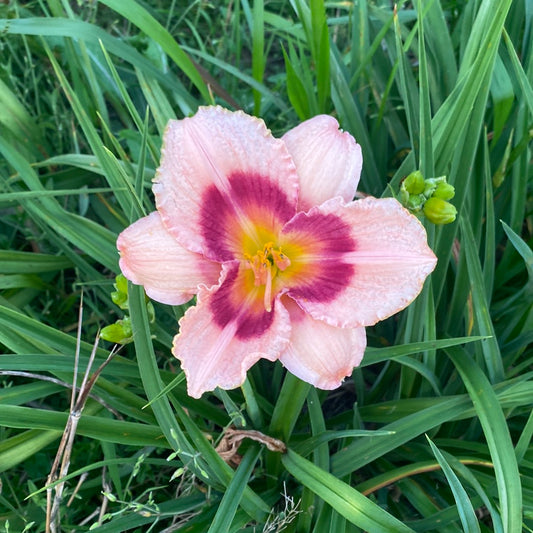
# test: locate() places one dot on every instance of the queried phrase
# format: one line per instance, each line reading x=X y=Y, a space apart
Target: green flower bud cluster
x=120 y=332
x=428 y=196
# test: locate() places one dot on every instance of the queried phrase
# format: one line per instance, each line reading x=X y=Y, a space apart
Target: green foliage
x=433 y=431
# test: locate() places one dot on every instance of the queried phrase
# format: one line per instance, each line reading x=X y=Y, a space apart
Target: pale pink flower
x=265 y=233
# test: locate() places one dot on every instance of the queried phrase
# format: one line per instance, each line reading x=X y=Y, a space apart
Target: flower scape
x=284 y=264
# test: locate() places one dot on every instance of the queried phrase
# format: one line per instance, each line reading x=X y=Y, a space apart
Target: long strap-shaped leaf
x=86 y=234
x=139 y=16
x=92 y=34
x=496 y=432
x=233 y=495
x=464 y=505
x=482 y=49
x=348 y=502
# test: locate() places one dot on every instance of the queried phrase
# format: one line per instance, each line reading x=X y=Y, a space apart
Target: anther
x=265 y=264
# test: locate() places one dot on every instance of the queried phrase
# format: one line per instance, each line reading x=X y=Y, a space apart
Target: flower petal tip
x=328 y=160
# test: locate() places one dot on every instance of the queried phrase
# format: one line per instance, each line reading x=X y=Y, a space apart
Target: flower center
x=265 y=264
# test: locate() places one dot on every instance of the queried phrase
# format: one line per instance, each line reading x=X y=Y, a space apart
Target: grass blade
x=348 y=502
x=233 y=494
x=464 y=505
x=139 y=16
x=484 y=326
x=496 y=432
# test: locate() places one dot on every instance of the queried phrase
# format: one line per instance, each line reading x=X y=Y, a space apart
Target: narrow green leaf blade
x=464 y=505
x=233 y=494
x=497 y=435
x=484 y=325
x=139 y=16
x=348 y=502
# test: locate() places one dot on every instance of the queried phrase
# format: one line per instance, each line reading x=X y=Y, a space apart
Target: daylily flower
x=265 y=233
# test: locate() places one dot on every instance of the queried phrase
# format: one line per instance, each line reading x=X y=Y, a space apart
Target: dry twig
x=228 y=446
x=54 y=491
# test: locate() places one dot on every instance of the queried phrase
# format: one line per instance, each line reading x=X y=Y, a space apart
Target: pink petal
x=321 y=354
x=316 y=244
x=388 y=264
x=150 y=256
x=328 y=161
x=226 y=333
x=222 y=173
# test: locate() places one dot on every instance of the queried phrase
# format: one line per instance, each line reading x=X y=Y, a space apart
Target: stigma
x=265 y=264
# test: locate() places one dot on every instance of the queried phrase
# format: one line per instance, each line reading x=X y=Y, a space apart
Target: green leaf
x=452 y=118
x=426 y=165
x=378 y=355
x=484 y=326
x=15 y=450
x=311 y=443
x=464 y=505
x=234 y=491
x=258 y=52
x=296 y=90
x=502 y=93
x=348 y=502
x=521 y=247
x=141 y=18
x=96 y=427
x=496 y=433
x=15 y=118
x=408 y=89
x=16 y=281
x=86 y=234
x=78 y=29
x=525 y=83
x=13 y=262
x=288 y=406
x=406 y=428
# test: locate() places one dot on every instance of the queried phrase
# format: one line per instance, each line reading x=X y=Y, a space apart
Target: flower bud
x=121 y=283
x=444 y=191
x=439 y=211
x=120 y=296
x=120 y=332
x=415 y=202
x=120 y=299
x=414 y=183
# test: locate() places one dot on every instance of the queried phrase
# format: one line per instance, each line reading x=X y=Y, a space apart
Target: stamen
x=280 y=259
x=260 y=265
x=265 y=264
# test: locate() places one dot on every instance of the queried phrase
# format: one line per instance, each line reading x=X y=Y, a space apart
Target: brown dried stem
x=62 y=460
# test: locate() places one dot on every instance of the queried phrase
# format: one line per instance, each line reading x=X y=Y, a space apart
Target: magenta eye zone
x=226 y=309
x=247 y=196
